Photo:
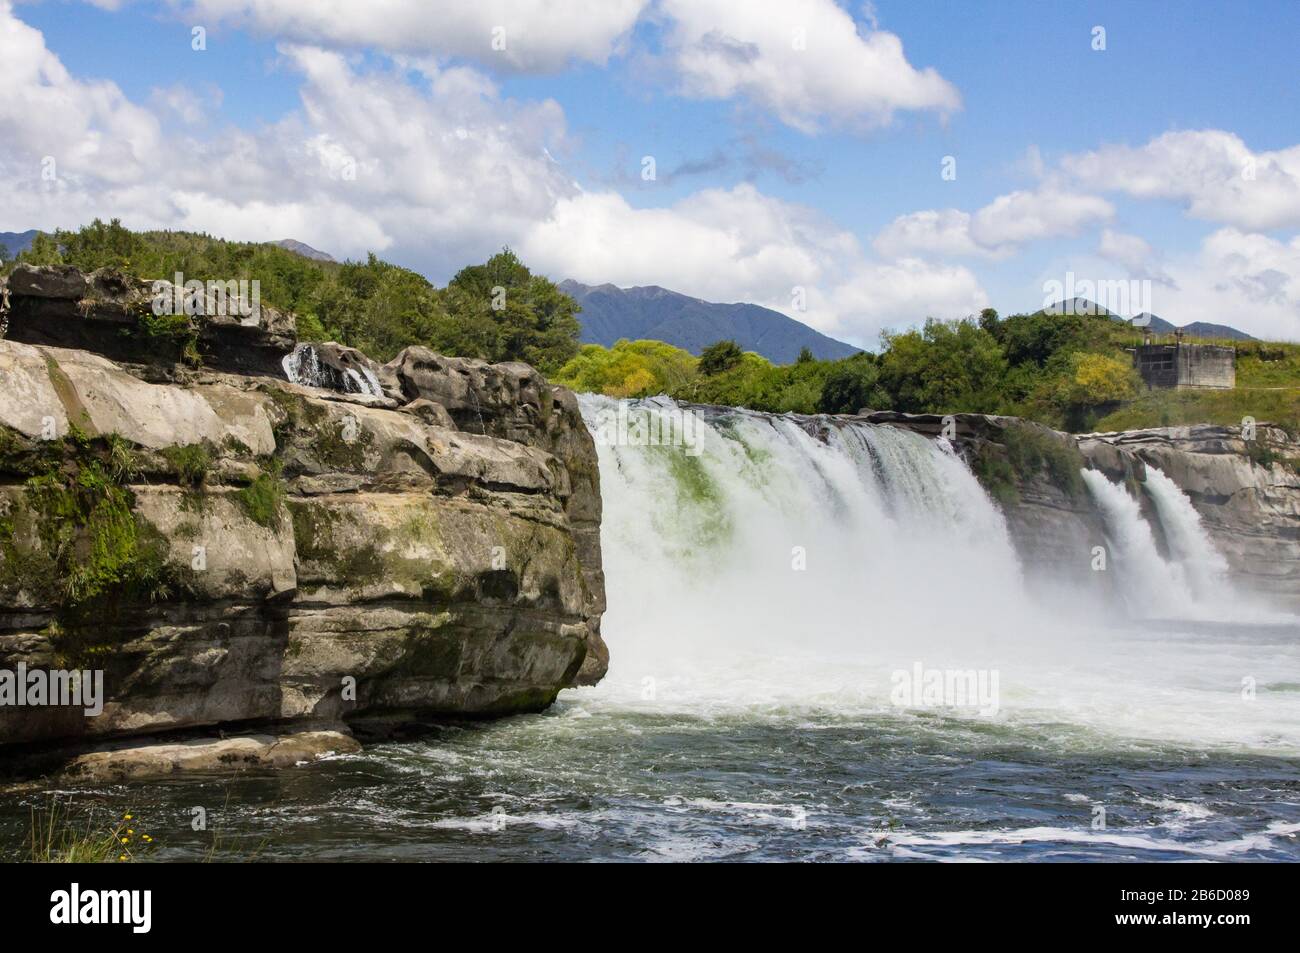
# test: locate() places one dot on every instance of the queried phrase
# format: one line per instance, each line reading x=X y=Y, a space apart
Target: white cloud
x=44 y=111
x=1128 y=250
x=444 y=168
x=436 y=173
x=997 y=229
x=897 y=294
x=1214 y=173
x=932 y=231
x=725 y=245
x=805 y=60
x=1133 y=253
x=1020 y=217
x=536 y=35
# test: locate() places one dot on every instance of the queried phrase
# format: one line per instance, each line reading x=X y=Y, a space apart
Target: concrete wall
x=1203 y=365
x=1186 y=365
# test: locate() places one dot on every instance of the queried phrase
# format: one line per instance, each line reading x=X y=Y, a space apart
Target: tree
x=805 y=356
x=100 y=246
x=850 y=386
x=719 y=357
x=948 y=367
x=1099 y=379
x=512 y=314
x=629 y=369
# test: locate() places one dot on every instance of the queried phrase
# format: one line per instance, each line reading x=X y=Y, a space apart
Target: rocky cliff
x=246 y=534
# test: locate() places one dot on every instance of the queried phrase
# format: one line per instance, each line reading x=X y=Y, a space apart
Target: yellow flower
x=129 y=831
x=123 y=857
x=127 y=817
x=126 y=840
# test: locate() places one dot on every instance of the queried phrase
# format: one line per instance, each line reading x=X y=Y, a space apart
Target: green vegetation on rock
x=190 y=464
x=72 y=541
x=1032 y=449
x=263 y=500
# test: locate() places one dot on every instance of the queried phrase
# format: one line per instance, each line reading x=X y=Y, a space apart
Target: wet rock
x=160 y=758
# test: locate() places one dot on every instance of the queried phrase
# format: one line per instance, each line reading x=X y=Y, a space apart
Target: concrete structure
x=1186 y=365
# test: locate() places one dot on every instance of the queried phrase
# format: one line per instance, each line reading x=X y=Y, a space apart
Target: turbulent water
x=778 y=603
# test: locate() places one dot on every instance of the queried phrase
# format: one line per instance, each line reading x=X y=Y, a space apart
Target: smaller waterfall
x=1151 y=586
x=304 y=366
x=1189 y=543
x=1194 y=582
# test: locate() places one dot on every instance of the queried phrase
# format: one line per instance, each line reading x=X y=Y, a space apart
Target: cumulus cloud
x=1213 y=173
x=46 y=112
x=1133 y=253
x=1249 y=281
x=997 y=229
x=901 y=293
x=930 y=231
x=805 y=60
x=1025 y=216
x=524 y=35
x=1128 y=250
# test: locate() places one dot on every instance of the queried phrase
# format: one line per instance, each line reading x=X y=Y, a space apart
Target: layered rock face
x=231 y=548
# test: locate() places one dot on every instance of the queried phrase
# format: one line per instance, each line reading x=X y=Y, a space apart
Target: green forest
x=1070 y=372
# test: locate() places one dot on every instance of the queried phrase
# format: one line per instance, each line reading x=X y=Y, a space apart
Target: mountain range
x=1157 y=324
x=653 y=313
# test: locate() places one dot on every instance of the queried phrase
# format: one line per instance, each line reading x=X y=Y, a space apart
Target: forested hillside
x=372 y=305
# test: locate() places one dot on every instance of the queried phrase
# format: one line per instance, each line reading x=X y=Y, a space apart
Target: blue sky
x=1171 y=157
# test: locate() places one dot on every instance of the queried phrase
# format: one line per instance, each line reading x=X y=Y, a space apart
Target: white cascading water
x=770 y=539
x=1192 y=581
x=1152 y=586
x=1189 y=543
x=303 y=366
x=768 y=574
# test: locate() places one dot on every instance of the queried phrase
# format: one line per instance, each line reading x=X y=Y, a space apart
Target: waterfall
x=1151 y=585
x=1188 y=541
x=304 y=366
x=783 y=569
x=763 y=536
x=1193 y=582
